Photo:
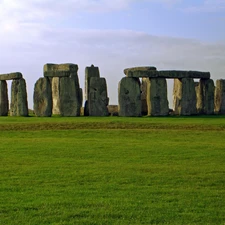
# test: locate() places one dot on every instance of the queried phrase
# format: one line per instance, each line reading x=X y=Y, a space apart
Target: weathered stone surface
x=80 y=96
x=170 y=74
x=60 y=70
x=98 y=98
x=66 y=96
x=113 y=110
x=144 y=106
x=11 y=76
x=69 y=97
x=55 y=96
x=157 y=101
x=220 y=97
x=92 y=71
x=205 y=96
x=184 y=97
x=129 y=93
x=18 y=106
x=42 y=97
x=4 y=100
x=138 y=71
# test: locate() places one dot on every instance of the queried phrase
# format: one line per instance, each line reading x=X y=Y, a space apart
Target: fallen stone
x=220 y=97
x=90 y=72
x=129 y=93
x=157 y=101
x=19 y=105
x=184 y=97
x=11 y=76
x=205 y=97
x=4 y=100
x=42 y=97
x=98 y=98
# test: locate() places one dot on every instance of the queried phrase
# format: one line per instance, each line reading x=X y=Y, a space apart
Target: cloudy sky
x=111 y=34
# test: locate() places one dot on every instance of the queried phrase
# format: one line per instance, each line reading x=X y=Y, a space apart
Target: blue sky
x=168 y=34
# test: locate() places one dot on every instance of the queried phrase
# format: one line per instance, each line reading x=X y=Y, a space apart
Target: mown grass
x=112 y=170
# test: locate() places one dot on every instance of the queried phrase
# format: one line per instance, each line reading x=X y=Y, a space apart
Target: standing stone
x=157 y=97
x=18 y=106
x=184 y=97
x=220 y=97
x=144 y=106
x=55 y=96
x=42 y=97
x=129 y=93
x=69 y=97
x=98 y=99
x=205 y=96
x=4 y=100
x=90 y=72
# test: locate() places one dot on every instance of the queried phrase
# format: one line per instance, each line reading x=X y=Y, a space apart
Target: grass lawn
x=112 y=170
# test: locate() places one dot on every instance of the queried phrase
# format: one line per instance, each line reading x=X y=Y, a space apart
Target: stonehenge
x=141 y=92
x=220 y=97
x=96 y=95
x=18 y=105
x=129 y=97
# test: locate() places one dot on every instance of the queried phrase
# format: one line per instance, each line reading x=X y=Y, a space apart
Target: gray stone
x=157 y=97
x=90 y=72
x=184 y=97
x=66 y=96
x=129 y=93
x=42 y=97
x=205 y=96
x=144 y=106
x=18 y=106
x=55 y=96
x=151 y=72
x=4 y=100
x=98 y=98
x=220 y=97
x=60 y=70
x=86 y=109
x=69 y=97
x=11 y=76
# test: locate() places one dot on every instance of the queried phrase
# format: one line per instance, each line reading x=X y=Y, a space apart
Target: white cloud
x=111 y=50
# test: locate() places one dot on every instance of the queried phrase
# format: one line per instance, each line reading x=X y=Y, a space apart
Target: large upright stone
x=129 y=93
x=98 y=98
x=18 y=106
x=69 y=97
x=220 y=97
x=90 y=72
x=4 y=100
x=157 y=97
x=55 y=96
x=205 y=96
x=184 y=97
x=144 y=106
x=42 y=97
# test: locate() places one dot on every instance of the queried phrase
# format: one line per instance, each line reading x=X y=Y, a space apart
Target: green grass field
x=113 y=170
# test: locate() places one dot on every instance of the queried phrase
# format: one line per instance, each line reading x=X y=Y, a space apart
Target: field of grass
x=125 y=171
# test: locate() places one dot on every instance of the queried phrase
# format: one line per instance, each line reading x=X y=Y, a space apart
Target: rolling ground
x=112 y=170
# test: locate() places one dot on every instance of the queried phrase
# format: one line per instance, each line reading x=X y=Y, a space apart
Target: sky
x=113 y=35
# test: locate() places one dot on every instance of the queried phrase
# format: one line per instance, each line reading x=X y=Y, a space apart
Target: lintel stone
x=11 y=76
x=170 y=74
x=59 y=70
